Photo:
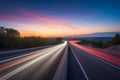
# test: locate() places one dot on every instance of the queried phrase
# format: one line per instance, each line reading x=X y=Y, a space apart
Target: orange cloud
x=44 y=27
x=46 y=30
x=53 y=33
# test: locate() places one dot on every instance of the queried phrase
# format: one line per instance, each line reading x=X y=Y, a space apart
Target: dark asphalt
x=80 y=66
x=41 y=70
x=95 y=68
x=6 y=54
x=74 y=71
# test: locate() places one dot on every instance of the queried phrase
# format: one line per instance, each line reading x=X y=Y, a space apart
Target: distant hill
x=103 y=39
x=101 y=34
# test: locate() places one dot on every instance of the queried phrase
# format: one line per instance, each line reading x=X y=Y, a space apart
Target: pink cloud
x=39 y=18
x=48 y=20
x=13 y=18
x=32 y=16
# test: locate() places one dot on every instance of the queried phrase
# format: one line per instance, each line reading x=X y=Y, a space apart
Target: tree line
x=11 y=39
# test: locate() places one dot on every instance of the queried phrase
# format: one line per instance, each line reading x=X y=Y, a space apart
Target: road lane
x=61 y=72
x=14 y=53
x=39 y=65
x=74 y=72
x=93 y=66
x=20 y=56
x=110 y=57
x=19 y=59
x=51 y=64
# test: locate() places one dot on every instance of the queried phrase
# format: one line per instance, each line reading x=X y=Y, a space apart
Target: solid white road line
x=107 y=63
x=80 y=64
x=104 y=61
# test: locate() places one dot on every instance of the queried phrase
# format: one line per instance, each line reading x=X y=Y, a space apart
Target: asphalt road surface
x=40 y=65
x=85 y=66
x=66 y=61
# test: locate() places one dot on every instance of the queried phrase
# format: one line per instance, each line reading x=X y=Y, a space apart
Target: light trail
x=110 y=57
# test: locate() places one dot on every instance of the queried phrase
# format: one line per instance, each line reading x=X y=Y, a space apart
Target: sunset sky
x=54 y=18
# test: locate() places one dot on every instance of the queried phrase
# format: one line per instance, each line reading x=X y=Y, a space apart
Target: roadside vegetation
x=11 y=39
x=100 y=44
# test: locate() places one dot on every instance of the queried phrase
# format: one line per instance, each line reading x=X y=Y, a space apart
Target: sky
x=60 y=18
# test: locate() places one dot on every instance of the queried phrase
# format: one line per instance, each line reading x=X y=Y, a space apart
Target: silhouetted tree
x=10 y=39
x=116 y=40
x=8 y=32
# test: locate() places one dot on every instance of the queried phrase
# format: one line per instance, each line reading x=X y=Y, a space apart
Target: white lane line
x=24 y=55
x=41 y=58
x=107 y=62
x=80 y=65
x=103 y=61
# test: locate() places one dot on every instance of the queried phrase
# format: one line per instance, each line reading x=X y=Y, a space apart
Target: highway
x=84 y=65
x=66 y=61
x=39 y=65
